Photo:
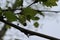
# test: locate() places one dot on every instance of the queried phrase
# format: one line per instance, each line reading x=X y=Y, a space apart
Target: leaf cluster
x=26 y=13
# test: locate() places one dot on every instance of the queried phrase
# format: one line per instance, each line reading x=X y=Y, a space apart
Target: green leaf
x=50 y=3
x=22 y=19
x=41 y=13
x=0 y=11
x=7 y=26
x=28 y=17
x=18 y=3
x=35 y=18
x=29 y=13
x=10 y=16
x=36 y=24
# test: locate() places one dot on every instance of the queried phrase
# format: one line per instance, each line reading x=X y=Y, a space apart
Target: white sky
x=50 y=25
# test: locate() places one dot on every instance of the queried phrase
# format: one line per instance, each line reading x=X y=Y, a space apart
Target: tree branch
x=36 y=10
x=2 y=32
x=31 y=3
x=28 y=31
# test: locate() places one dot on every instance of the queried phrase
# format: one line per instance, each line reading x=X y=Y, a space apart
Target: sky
x=49 y=25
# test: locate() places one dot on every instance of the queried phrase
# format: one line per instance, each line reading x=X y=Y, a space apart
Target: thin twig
x=36 y=10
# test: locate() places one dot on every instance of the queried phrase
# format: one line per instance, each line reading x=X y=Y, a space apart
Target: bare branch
x=28 y=31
